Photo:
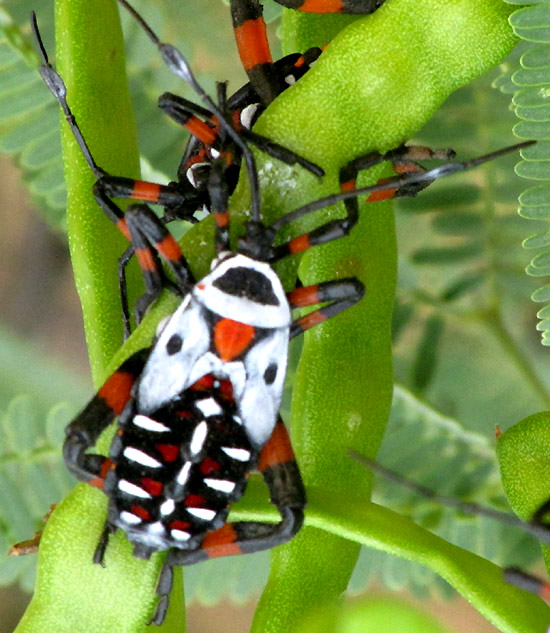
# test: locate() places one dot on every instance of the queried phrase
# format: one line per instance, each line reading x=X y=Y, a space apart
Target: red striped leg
x=180 y=200
x=289 y=69
x=149 y=237
x=331 y=230
x=278 y=466
x=405 y=161
x=218 y=192
x=342 y=293
x=206 y=134
x=251 y=37
x=253 y=47
x=181 y=196
x=187 y=114
x=129 y=224
x=356 y=7
x=210 y=135
x=83 y=432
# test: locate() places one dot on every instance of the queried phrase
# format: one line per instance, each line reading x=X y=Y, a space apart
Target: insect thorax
x=233 y=325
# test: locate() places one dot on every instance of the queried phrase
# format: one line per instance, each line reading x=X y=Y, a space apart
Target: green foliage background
x=466 y=356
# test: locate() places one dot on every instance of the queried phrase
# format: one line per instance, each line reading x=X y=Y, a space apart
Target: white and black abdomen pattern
x=175 y=472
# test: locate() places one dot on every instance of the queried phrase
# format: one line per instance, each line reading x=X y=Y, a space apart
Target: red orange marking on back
x=141 y=512
x=231 y=338
x=169 y=452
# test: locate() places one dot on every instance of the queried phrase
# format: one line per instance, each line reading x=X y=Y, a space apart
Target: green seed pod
x=523 y=453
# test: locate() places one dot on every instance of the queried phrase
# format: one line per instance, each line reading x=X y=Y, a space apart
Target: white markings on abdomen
x=202 y=513
x=223 y=485
x=240 y=454
x=199 y=435
x=135 y=455
x=208 y=407
x=132 y=489
x=149 y=424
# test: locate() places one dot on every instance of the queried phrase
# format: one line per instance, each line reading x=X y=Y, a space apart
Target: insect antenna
x=178 y=65
x=395 y=183
x=57 y=87
x=541 y=532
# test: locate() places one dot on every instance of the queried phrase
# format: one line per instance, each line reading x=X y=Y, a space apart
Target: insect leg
x=218 y=190
x=356 y=7
x=184 y=112
x=289 y=68
x=149 y=237
x=280 y=471
x=333 y=229
x=85 y=429
x=253 y=47
x=342 y=293
x=187 y=113
x=280 y=153
x=404 y=160
x=442 y=171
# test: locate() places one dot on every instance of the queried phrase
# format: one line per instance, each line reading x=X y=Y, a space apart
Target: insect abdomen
x=175 y=472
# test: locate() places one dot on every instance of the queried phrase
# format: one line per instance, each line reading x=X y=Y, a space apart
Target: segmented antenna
x=178 y=65
x=441 y=171
x=57 y=87
x=541 y=532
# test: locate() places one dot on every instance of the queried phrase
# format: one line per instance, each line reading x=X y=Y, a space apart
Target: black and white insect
x=199 y=409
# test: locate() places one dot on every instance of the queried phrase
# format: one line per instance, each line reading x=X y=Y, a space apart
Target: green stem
x=478 y=580
x=91 y=61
